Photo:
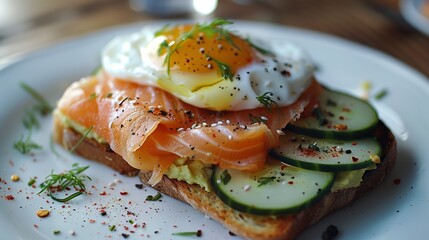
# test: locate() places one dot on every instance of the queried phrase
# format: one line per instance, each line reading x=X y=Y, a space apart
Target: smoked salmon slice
x=151 y=128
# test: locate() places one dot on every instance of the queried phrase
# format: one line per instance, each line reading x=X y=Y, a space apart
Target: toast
x=248 y=226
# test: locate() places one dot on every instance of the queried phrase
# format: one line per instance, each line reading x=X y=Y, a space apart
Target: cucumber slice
x=276 y=190
x=339 y=116
x=326 y=154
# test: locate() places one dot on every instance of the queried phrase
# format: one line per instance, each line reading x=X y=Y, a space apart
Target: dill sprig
x=30 y=120
x=81 y=139
x=72 y=178
x=258 y=48
x=224 y=70
x=209 y=29
x=266 y=100
x=25 y=146
x=265 y=180
x=42 y=106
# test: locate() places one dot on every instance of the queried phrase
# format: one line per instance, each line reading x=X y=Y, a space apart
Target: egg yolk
x=203 y=53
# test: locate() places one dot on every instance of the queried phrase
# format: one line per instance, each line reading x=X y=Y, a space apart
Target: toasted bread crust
x=246 y=225
x=90 y=149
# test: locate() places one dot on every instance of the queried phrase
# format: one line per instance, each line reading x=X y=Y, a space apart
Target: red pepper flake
x=355 y=159
x=341 y=127
x=354 y=143
x=103 y=193
x=36 y=226
x=397 y=181
x=123 y=193
x=91 y=221
x=346 y=110
x=290 y=182
x=9 y=197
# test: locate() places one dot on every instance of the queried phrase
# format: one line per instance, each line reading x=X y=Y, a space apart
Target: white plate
x=411 y=10
x=389 y=212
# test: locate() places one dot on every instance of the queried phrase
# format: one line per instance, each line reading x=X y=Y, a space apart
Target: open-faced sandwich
x=236 y=127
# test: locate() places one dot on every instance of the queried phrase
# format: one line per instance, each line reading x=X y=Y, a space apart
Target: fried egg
x=220 y=71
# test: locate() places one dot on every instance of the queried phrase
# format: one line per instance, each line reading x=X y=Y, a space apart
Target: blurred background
x=391 y=26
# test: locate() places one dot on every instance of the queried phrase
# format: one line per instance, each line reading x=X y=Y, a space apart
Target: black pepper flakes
x=125 y=235
x=330 y=233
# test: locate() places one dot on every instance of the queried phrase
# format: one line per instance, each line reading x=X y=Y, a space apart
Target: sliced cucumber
x=339 y=116
x=326 y=154
x=277 y=190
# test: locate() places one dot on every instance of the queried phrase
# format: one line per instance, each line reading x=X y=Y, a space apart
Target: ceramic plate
x=398 y=209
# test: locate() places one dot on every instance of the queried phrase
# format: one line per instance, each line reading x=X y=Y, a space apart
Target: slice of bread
x=246 y=225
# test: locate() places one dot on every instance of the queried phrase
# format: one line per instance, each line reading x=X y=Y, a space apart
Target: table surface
x=27 y=25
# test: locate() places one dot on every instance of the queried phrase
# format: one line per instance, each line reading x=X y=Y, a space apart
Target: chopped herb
x=56 y=232
x=92 y=96
x=31 y=182
x=43 y=106
x=266 y=100
x=25 y=146
x=331 y=102
x=131 y=221
x=112 y=228
x=259 y=49
x=81 y=139
x=314 y=147
x=162 y=46
x=30 y=121
x=265 y=180
x=72 y=178
x=224 y=70
x=154 y=198
x=256 y=119
x=319 y=116
x=381 y=94
x=109 y=95
x=225 y=177
x=186 y=234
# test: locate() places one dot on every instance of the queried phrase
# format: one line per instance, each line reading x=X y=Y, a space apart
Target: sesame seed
x=264 y=118
x=117 y=180
x=209 y=66
x=246 y=188
x=213 y=125
x=112 y=184
x=229 y=137
x=280 y=132
x=218 y=181
x=220 y=123
x=228 y=122
x=180 y=129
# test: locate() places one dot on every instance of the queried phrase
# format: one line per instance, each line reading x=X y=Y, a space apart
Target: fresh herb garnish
x=92 y=96
x=31 y=182
x=225 y=177
x=43 y=106
x=381 y=94
x=319 y=116
x=56 y=232
x=81 y=139
x=25 y=146
x=209 y=29
x=154 y=198
x=72 y=178
x=256 y=119
x=314 y=147
x=224 y=70
x=266 y=100
x=265 y=180
x=30 y=120
x=259 y=49
x=112 y=228
x=188 y=234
